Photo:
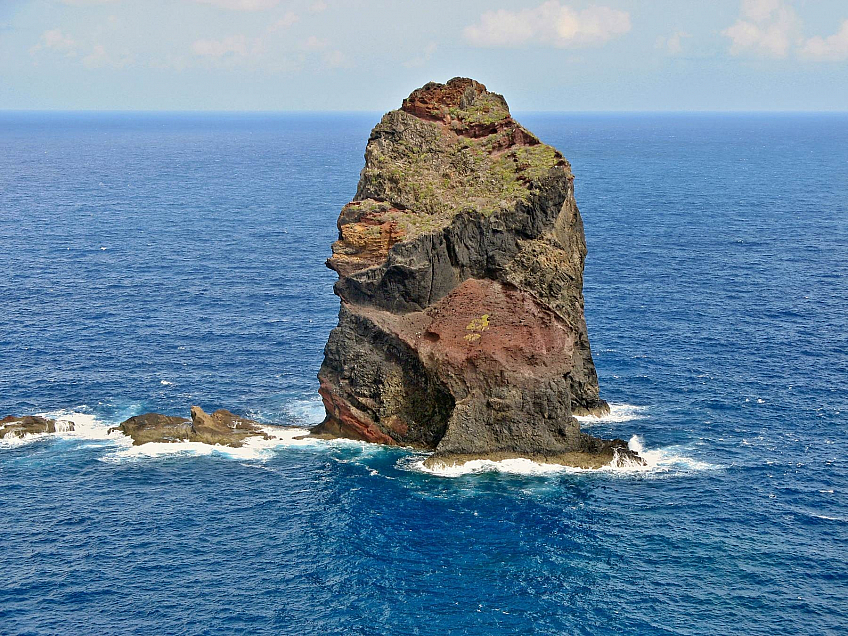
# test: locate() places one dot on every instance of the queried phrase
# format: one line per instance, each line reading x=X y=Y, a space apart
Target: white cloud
x=673 y=43
x=284 y=23
x=766 y=28
x=337 y=59
x=832 y=48
x=242 y=5
x=55 y=40
x=551 y=24
x=423 y=58
x=230 y=46
x=760 y=10
x=318 y=6
x=99 y=58
x=314 y=43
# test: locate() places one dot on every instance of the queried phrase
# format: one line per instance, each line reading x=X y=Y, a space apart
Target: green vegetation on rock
x=432 y=173
x=488 y=108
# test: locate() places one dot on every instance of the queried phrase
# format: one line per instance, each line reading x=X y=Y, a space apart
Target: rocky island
x=460 y=263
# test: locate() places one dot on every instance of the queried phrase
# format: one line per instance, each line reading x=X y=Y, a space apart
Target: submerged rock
x=221 y=427
x=460 y=263
x=13 y=426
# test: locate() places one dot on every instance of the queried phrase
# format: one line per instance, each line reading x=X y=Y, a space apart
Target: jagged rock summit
x=460 y=263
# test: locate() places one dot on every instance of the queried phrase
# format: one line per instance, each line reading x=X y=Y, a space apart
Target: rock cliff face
x=460 y=265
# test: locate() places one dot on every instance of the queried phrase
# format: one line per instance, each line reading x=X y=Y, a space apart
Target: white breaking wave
x=69 y=424
x=618 y=413
x=660 y=461
x=669 y=460
x=308 y=412
x=88 y=427
x=255 y=448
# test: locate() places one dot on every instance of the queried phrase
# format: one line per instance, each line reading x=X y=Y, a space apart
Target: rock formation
x=221 y=427
x=12 y=426
x=460 y=263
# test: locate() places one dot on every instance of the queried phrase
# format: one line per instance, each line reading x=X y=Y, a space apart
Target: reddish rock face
x=469 y=110
x=460 y=267
x=485 y=331
x=433 y=100
x=366 y=234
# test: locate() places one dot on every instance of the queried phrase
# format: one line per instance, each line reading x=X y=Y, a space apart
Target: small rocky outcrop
x=155 y=427
x=13 y=426
x=221 y=427
x=460 y=263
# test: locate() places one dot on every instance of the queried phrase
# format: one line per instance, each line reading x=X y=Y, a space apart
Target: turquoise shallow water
x=152 y=262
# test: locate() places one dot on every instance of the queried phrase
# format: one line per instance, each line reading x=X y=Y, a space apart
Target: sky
x=348 y=55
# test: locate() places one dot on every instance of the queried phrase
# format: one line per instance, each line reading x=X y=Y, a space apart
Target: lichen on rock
x=460 y=263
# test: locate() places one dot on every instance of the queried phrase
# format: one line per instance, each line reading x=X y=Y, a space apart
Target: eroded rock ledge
x=460 y=263
x=221 y=427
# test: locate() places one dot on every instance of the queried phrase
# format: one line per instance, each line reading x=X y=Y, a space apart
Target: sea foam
x=255 y=448
x=69 y=424
x=669 y=461
x=306 y=411
x=618 y=413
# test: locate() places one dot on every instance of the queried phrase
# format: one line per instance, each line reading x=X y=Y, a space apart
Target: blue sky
x=560 y=55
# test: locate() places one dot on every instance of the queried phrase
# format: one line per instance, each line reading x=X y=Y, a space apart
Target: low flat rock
x=221 y=427
x=155 y=427
x=18 y=426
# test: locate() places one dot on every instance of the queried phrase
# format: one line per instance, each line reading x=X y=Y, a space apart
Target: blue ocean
x=151 y=262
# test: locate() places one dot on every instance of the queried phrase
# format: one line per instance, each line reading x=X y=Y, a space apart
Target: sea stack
x=460 y=264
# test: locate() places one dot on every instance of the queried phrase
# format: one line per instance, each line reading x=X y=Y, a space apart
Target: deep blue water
x=152 y=262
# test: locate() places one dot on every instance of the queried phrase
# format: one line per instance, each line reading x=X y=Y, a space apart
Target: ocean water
x=151 y=262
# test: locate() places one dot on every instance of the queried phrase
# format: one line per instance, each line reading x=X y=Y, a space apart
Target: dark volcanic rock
x=460 y=265
x=221 y=427
x=12 y=426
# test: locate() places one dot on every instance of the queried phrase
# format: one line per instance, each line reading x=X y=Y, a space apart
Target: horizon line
x=369 y=112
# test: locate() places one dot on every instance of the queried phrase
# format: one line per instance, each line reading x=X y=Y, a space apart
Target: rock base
x=595 y=454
